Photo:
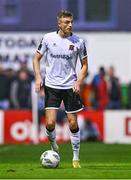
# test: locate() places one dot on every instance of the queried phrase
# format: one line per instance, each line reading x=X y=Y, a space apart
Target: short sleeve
x=42 y=47
x=82 y=50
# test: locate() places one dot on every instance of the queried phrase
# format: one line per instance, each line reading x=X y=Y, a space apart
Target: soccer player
x=61 y=50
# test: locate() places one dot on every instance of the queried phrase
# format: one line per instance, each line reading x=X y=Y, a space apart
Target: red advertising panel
x=18 y=126
x=97 y=118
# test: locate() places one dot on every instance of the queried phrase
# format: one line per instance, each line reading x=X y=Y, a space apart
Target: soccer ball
x=50 y=159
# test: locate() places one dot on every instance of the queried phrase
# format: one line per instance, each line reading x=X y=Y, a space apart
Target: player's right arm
x=36 y=67
x=36 y=64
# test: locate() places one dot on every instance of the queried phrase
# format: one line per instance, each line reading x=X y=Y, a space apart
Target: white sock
x=76 y=155
x=75 y=141
x=51 y=135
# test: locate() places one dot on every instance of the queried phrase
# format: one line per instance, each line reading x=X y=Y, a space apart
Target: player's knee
x=50 y=125
x=73 y=125
x=74 y=129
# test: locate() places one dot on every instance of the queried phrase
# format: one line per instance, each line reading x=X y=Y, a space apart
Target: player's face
x=65 y=25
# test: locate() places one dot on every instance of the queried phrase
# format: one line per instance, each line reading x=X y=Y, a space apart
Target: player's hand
x=38 y=83
x=76 y=87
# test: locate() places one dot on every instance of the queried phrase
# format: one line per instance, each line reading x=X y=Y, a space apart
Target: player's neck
x=63 y=35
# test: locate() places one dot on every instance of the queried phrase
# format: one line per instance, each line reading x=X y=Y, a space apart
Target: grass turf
x=100 y=161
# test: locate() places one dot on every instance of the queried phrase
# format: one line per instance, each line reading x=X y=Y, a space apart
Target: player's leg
x=75 y=138
x=52 y=103
x=51 y=115
x=73 y=104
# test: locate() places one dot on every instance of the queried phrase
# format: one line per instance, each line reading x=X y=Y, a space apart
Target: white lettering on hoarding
x=20 y=131
x=21 y=42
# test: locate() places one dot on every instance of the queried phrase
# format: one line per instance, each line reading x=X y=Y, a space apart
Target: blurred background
x=106 y=92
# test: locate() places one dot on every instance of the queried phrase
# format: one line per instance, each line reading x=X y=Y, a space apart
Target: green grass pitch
x=100 y=161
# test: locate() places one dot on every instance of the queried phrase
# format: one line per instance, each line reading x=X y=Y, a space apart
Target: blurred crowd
x=103 y=91
x=15 y=87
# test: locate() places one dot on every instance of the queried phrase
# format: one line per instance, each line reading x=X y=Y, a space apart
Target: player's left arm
x=82 y=75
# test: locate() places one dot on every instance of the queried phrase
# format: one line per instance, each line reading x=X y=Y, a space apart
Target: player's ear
x=59 y=23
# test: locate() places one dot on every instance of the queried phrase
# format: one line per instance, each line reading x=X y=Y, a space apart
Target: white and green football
x=50 y=159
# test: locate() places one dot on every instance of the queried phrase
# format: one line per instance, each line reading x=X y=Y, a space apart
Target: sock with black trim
x=51 y=134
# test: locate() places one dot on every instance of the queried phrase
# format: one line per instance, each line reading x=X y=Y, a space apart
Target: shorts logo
x=71 y=47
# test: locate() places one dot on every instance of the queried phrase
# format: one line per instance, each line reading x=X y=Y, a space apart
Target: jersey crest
x=71 y=47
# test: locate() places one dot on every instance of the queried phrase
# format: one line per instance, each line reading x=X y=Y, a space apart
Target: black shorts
x=54 y=97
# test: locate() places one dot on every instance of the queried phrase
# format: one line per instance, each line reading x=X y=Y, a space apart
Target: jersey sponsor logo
x=71 y=47
x=61 y=56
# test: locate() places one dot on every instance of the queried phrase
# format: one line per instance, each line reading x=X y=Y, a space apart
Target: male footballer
x=62 y=49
